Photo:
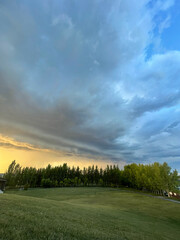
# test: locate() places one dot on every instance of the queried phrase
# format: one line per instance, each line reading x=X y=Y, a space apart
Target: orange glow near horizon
x=42 y=159
x=33 y=156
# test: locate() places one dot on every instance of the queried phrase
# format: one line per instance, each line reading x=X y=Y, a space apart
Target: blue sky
x=92 y=79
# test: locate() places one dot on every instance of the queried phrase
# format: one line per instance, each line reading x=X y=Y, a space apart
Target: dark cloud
x=8 y=145
x=74 y=78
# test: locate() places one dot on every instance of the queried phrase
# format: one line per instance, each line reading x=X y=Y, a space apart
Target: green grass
x=86 y=213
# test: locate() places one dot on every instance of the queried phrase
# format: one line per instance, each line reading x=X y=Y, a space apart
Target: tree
x=13 y=174
x=155 y=177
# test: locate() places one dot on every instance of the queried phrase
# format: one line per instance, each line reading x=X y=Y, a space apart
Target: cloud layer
x=79 y=77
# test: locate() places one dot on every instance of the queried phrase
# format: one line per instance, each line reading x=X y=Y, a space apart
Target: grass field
x=86 y=213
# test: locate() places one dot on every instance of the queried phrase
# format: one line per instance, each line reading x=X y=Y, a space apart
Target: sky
x=89 y=82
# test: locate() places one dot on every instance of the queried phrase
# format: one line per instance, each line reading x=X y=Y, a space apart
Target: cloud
x=7 y=142
x=75 y=78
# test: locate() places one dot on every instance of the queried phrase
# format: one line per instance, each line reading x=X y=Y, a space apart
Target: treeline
x=156 y=177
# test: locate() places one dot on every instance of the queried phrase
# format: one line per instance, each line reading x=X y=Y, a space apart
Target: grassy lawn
x=86 y=213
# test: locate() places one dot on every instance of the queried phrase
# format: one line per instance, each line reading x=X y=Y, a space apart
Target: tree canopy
x=156 y=177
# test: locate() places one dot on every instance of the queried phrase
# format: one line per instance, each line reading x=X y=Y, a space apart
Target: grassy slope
x=86 y=213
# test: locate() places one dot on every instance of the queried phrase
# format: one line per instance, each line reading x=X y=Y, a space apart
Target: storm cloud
x=79 y=77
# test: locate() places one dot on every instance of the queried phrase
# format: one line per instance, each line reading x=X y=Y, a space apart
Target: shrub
x=46 y=183
x=26 y=186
